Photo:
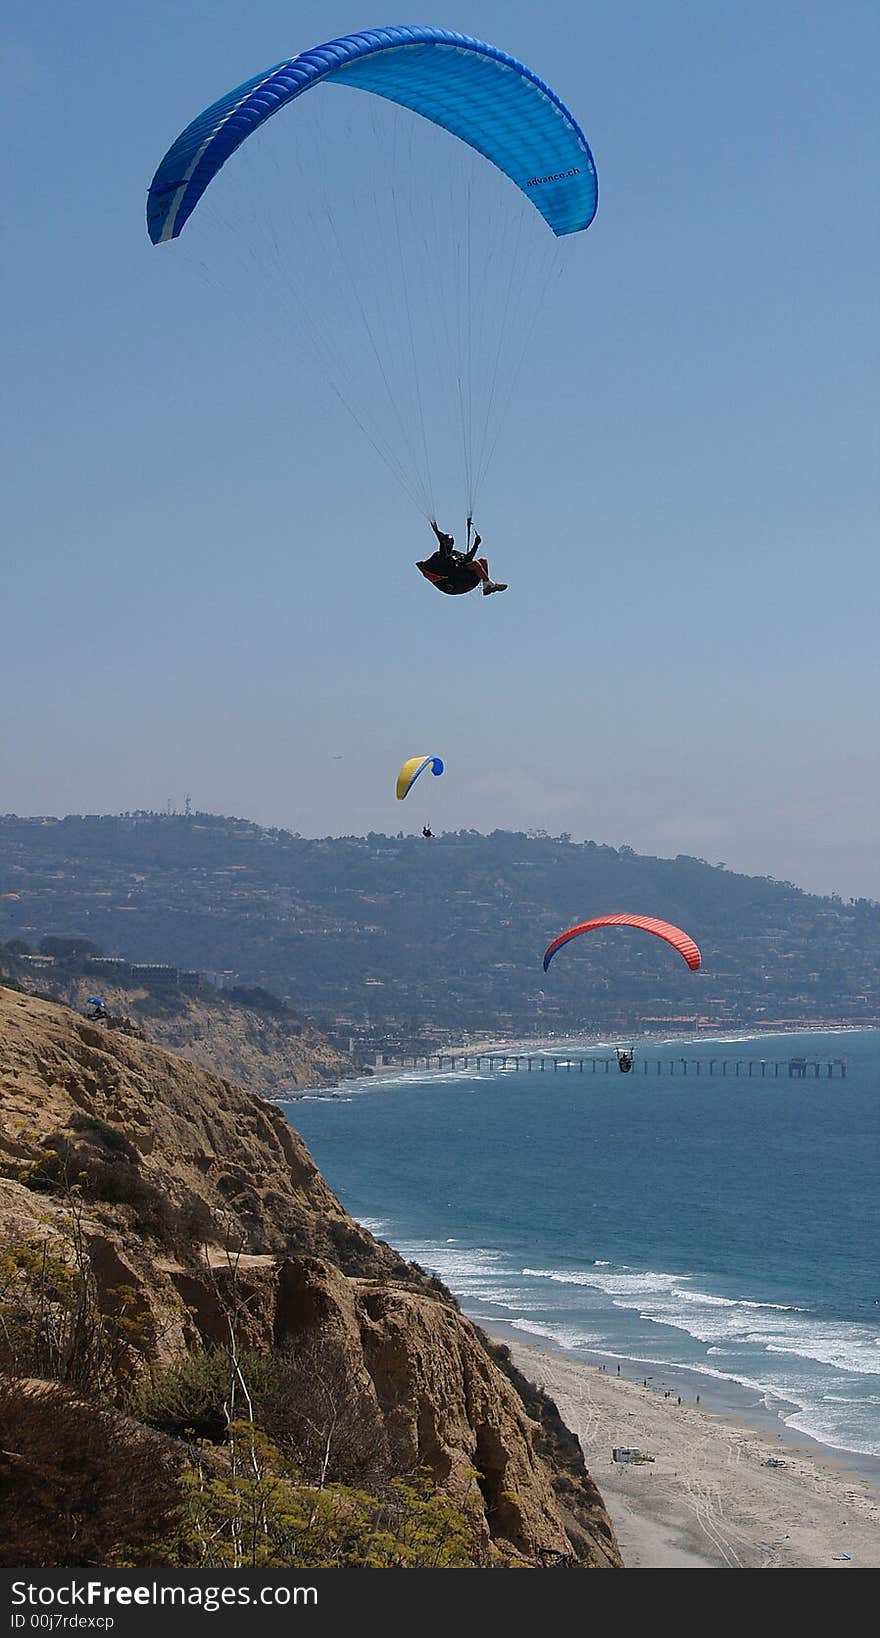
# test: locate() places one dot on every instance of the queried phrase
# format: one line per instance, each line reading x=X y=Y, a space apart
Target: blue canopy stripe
x=480 y=94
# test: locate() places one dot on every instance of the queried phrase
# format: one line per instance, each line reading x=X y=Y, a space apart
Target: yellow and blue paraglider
x=410 y=771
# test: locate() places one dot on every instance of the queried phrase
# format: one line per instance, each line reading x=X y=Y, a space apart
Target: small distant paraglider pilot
x=625 y=1057
x=455 y=572
x=427 y=832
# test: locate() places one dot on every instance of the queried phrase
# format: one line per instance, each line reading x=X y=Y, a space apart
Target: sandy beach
x=708 y=1500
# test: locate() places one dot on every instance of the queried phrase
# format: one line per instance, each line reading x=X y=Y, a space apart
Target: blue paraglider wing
x=477 y=92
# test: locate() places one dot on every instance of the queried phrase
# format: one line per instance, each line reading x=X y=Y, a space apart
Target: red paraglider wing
x=648 y=924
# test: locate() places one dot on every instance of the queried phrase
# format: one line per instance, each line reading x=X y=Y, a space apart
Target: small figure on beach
x=455 y=572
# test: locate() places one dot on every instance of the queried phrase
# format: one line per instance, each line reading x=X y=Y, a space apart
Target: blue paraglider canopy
x=415 y=276
x=479 y=93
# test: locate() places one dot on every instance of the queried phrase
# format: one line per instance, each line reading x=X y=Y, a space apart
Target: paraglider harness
x=427 y=832
x=625 y=1056
x=450 y=571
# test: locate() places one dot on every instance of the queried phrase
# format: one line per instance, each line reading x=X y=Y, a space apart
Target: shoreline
x=713 y=1033
x=726 y=1455
x=722 y=1397
x=729 y=1488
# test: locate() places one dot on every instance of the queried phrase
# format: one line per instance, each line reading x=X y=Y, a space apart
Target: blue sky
x=208 y=582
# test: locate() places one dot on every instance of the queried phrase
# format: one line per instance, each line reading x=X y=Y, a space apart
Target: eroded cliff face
x=272 y=1054
x=194 y=1200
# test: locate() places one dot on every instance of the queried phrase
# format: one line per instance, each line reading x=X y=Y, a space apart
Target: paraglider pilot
x=427 y=832
x=625 y=1057
x=455 y=572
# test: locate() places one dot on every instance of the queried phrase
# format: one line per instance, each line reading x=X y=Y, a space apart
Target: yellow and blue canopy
x=410 y=771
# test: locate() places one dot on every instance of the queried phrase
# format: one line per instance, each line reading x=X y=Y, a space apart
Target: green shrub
x=55 y=1323
x=189 y=1399
x=256 y=1516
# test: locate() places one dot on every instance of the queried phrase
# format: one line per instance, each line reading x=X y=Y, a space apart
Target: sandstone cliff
x=271 y=1053
x=192 y=1199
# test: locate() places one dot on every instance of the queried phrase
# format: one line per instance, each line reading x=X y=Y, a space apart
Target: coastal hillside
x=181 y=1286
x=386 y=939
x=246 y=1035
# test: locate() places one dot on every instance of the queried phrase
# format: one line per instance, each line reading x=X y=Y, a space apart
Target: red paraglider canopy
x=648 y=924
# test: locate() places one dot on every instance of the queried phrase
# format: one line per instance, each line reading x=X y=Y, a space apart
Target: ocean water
x=728 y=1227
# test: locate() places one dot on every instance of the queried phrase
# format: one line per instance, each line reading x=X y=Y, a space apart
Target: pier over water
x=644 y=1064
